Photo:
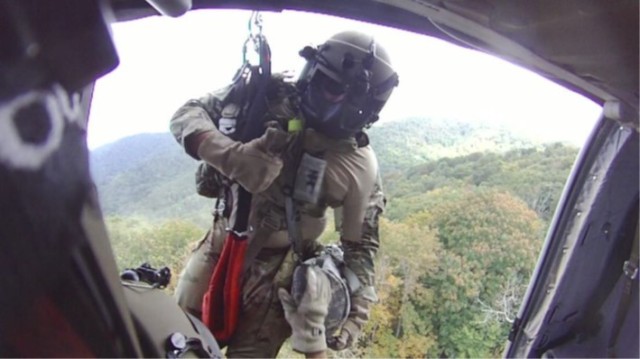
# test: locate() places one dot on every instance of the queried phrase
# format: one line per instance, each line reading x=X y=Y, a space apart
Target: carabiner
x=255 y=37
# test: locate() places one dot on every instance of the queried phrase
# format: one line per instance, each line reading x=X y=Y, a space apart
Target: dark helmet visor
x=333 y=109
x=332 y=90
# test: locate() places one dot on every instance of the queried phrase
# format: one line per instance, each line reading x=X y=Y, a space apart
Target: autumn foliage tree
x=485 y=238
x=459 y=240
x=396 y=327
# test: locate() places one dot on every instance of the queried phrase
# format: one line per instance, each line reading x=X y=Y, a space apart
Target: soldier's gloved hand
x=274 y=140
x=352 y=327
x=307 y=314
x=254 y=165
x=347 y=336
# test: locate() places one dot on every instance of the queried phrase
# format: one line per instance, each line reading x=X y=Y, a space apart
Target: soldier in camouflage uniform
x=344 y=85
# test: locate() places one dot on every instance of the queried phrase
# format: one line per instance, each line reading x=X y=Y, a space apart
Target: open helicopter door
x=61 y=294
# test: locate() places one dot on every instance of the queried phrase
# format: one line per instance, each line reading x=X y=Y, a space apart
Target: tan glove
x=307 y=315
x=254 y=165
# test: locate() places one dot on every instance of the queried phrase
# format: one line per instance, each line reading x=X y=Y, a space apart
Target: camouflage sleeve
x=197 y=115
x=360 y=257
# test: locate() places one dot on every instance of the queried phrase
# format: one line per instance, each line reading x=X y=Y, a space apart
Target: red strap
x=221 y=302
x=212 y=302
x=233 y=285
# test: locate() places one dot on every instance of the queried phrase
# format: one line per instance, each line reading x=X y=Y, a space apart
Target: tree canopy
x=468 y=208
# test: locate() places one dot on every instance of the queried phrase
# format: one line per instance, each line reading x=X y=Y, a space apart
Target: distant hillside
x=535 y=175
x=150 y=176
x=413 y=141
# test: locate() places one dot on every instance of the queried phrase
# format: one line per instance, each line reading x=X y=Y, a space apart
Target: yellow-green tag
x=294 y=125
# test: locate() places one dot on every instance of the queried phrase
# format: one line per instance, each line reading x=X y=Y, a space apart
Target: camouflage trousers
x=262 y=328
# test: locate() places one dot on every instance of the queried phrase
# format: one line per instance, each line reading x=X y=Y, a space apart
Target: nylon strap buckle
x=630 y=269
x=240 y=234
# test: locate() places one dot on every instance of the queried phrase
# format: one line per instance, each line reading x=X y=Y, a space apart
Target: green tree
x=486 y=237
x=396 y=328
x=136 y=241
x=536 y=175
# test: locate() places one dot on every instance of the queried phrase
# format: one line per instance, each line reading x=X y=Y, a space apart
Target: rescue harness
x=221 y=302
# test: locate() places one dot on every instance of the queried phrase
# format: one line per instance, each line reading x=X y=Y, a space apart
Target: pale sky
x=166 y=61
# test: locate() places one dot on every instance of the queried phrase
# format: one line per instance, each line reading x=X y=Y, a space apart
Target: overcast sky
x=166 y=61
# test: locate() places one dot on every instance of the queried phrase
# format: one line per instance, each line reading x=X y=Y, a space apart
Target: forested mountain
x=149 y=175
x=536 y=175
x=413 y=141
x=467 y=211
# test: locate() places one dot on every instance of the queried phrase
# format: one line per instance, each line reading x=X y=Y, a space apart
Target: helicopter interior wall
x=581 y=43
x=602 y=322
x=59 y=283
x=585 y=302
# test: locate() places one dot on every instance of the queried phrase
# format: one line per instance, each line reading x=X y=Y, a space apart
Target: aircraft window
x=474 y=153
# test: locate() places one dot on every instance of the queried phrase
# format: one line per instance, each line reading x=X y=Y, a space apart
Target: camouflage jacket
x=350 y=182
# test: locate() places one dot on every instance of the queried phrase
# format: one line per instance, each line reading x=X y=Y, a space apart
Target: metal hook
x=255 y=19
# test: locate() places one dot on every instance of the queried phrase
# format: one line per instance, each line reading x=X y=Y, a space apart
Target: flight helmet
x=345 y=83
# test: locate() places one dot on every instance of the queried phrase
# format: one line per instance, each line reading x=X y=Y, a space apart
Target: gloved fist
x=306 y=314
x=358 y=316
x=254 y=165
x=274 y=141
x=347 y=336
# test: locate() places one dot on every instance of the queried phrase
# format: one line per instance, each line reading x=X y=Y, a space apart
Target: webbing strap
x=221 y=302
x=292 y=215
x=630 y=274
x=295 y=234
x=260 y=235
x=353 y=282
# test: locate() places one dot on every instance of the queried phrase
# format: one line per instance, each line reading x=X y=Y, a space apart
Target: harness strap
x=630 y=274
x=221 y=302
x=292 y=215
x=353 y=282
x=255 y=246
x=213 y=297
